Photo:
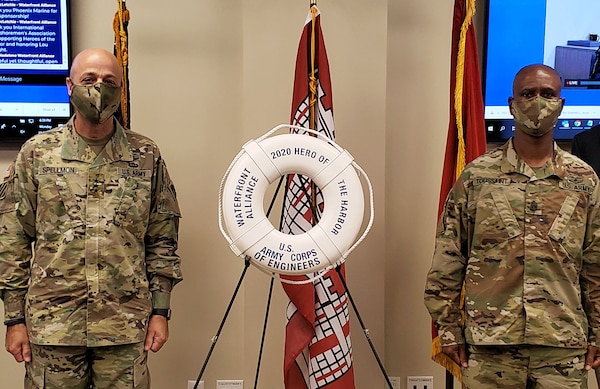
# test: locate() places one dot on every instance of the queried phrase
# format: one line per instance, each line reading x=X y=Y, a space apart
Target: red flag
x=318 y=352
x=466 y=129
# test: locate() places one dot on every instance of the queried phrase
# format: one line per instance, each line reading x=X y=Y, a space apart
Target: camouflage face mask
x=537 y=115
x=96 y=102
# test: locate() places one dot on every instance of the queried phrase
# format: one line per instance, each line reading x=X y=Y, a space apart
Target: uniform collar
x=512 y=163
x=76 y=149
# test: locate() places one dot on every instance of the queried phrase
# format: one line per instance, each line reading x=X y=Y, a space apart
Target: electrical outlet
x=419 y=382
x=230 y=384
x=191 y=384
x=395 y=381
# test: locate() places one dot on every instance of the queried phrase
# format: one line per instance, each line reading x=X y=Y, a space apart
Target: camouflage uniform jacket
x=526 y=246
x=104 y=230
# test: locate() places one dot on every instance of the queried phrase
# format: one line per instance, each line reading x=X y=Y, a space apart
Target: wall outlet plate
x=395 y=381
x=230 y=384
x=419 y=382
x=191 y=384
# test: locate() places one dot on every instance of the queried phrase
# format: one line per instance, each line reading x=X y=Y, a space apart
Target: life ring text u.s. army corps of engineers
x=251 y=234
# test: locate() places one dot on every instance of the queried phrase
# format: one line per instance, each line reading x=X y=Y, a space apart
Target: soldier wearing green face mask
x=87 y=303
x=514 y=285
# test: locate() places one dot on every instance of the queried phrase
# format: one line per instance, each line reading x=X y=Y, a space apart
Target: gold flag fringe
x=442 y=359
x=122 y=53
x=458 y=90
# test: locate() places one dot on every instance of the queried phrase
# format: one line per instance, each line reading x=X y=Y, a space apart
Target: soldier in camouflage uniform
x=83 y=309
x=518 y=254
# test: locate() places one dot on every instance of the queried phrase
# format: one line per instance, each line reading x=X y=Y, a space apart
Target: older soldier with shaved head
x=88 y=236
x=514 y=286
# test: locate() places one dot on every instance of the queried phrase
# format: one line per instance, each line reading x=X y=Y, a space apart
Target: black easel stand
x=364 y=329
x=216 y=337
x=237 y=288
x=262 y=340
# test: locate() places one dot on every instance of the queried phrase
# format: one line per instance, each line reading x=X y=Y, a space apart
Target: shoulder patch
x=575 y=183
x=3 y=190
x=9 y=171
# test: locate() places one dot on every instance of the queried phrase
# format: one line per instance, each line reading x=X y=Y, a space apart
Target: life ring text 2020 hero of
x=263 y=162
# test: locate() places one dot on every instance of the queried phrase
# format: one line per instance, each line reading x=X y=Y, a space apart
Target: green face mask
x=537 y=115
x=96 y=102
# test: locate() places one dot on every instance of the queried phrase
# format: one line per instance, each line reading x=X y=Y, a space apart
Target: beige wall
x=206 y=76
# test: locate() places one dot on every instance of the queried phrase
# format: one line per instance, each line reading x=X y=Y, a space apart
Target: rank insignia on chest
x=135 y=164
x=96 y=186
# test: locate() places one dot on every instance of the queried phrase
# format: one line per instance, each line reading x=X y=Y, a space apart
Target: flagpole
x=312 y=121
x=449 y=380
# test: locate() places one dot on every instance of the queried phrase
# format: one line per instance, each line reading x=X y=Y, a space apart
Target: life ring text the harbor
x=262 y=162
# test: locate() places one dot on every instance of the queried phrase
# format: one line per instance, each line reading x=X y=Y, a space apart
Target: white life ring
x=260 y=163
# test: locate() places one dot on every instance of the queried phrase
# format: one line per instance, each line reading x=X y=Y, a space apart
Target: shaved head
x=536 y=71
x=98 y=62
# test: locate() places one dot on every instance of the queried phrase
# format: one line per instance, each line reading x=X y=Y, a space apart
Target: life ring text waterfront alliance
x=263 y=162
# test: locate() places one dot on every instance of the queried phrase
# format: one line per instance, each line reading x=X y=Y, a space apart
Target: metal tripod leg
x=216 y=337
x=365 y=330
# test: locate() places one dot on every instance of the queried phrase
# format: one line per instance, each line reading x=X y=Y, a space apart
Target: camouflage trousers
x=525 y=367
x=66 y=367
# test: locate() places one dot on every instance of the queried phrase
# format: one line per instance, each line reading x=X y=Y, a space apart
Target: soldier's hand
x=17 y=342
x=158 y=333
x=458 y=353
x=592 y=358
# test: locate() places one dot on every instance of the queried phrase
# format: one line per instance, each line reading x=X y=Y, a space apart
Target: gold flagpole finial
x=313 y=2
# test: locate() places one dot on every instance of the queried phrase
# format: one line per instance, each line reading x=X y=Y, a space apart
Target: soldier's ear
x=510 y=108
x=69 y=85
x=562 y=99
